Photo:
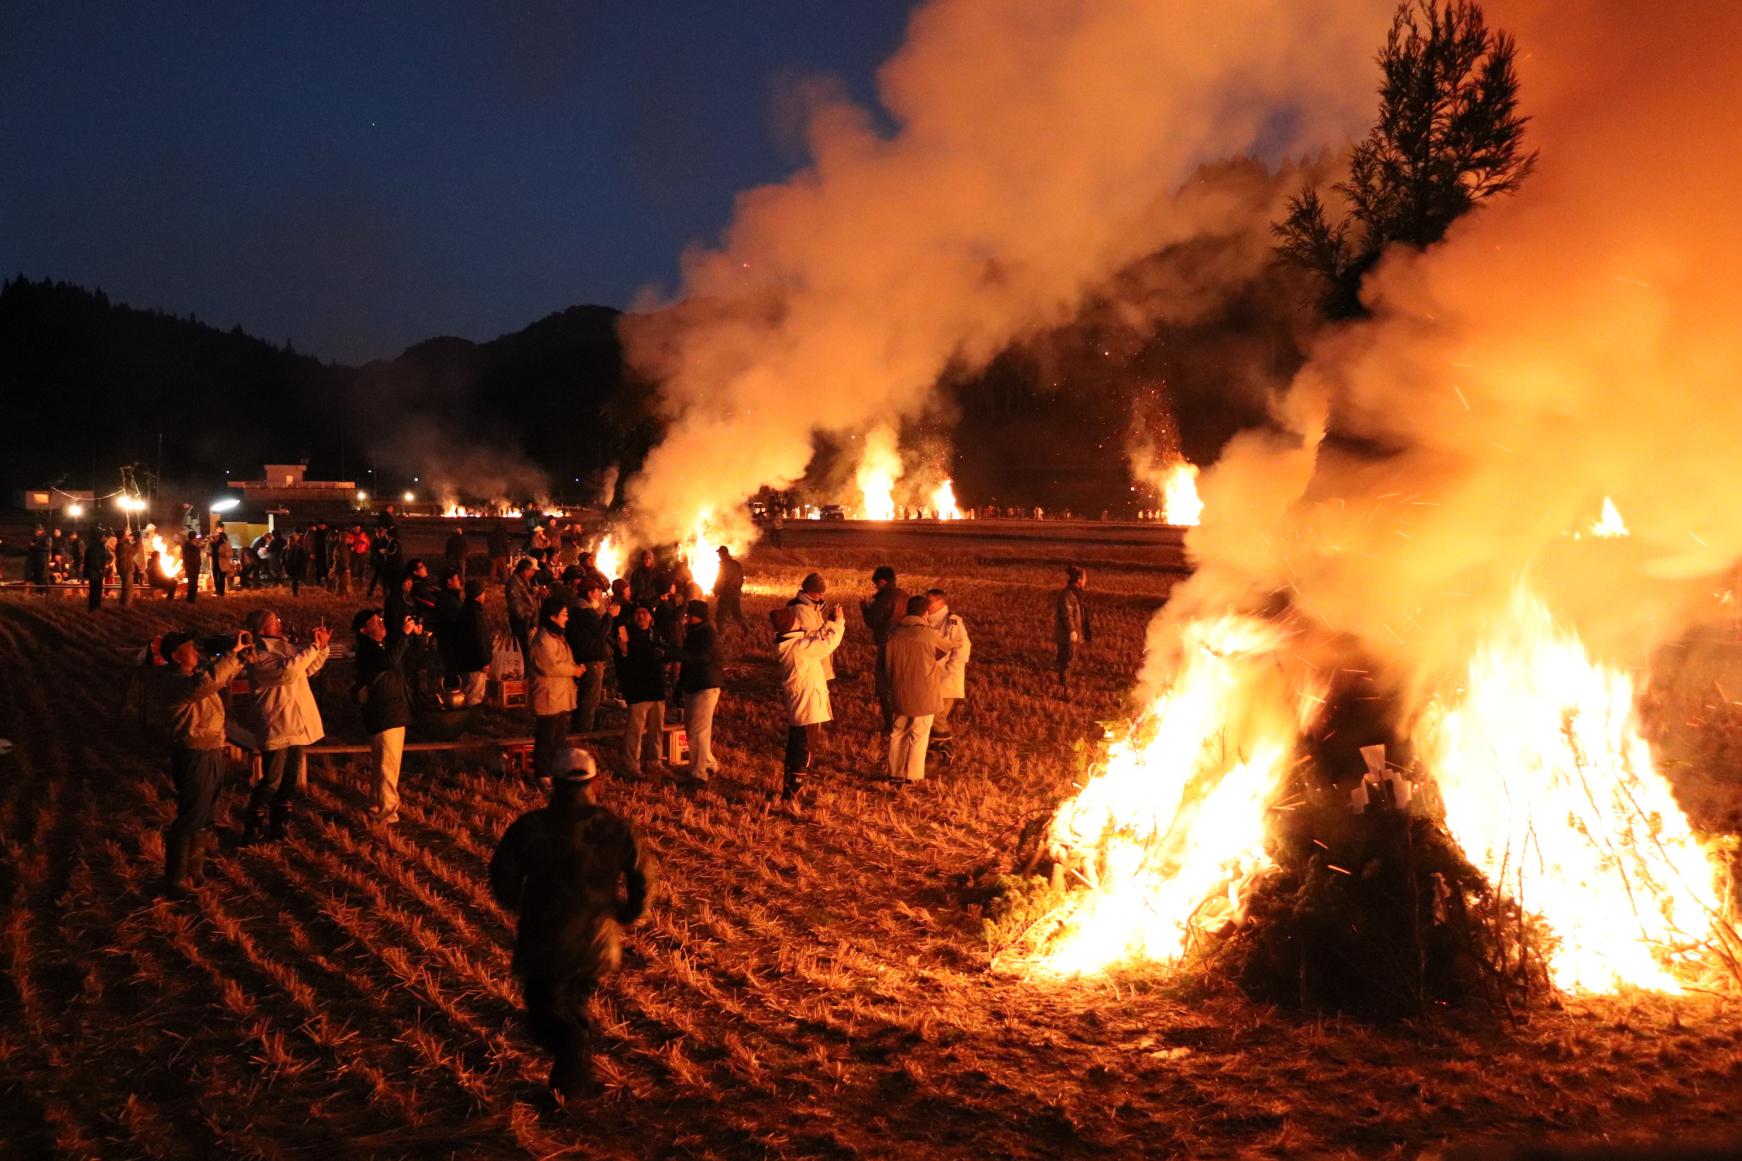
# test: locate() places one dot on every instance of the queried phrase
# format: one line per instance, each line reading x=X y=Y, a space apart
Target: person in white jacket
x=954 y=686
x=288 y=716
x=805 y=669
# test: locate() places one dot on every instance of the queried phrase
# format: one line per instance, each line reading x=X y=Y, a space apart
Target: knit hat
x=697 y=609
x=814 y=585
x=362 y=618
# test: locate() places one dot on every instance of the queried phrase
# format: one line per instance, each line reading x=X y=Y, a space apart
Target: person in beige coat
x=289 y=719
x=805 y=672
x=916 y=654
x=953 y=684
x=551 y=668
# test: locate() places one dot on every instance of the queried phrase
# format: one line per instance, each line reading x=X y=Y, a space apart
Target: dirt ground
x=798 y=989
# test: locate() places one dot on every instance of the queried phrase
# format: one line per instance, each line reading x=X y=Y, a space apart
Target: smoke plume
x=1574 y=341
x=1033 y=152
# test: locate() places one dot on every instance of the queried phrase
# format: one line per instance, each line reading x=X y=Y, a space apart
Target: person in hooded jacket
x=551 y=670
x=641 y=658
x=385 y=695
x=805 y=672
x=193 y=692
x=561 y=868
x=289 y=719
x=953 y=682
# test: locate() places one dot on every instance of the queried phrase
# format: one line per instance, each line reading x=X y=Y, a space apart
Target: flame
x=168 y=563
x=608 y=557
x=702 y=553
x=943 y=501
x=879 y=469
x=1171 y=821
x=1179 y=495
x=1552 y=792
x=1609 y=525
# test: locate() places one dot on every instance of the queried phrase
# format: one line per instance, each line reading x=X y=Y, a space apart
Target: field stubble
x=808 y=988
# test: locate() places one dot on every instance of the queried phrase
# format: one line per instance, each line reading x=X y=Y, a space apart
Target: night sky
x=355 y=178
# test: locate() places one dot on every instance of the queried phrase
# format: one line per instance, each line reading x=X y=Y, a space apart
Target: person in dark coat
x=1071 y=627
x=191 y=555
x=668 y=626
x=446 y=621
x=641 y=682
x=729 y=591
x=473 y=646
x=700 y=678
x=560 y=867
x=96 y=564
x=589 y=631
x=454 y=552
x=644 y=580
x=320 y=552
x=37 y=557
x=193 y=692
x=296 y=562
x=399 y=608
x=882 y=611
x=385 y=695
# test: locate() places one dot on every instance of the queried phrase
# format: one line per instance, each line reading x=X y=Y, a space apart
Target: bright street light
x=225 y=504
x=75 y=510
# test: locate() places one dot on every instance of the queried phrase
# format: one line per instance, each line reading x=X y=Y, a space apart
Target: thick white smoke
x=1576 y=341
x=1034 y=151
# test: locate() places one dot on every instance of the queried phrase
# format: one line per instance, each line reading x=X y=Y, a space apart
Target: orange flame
x=1171 y=822
x=1610 y=525
x=1179 y=495
x=943 y=501
x=1553 y=793
x=879 y=469
x=608 y=557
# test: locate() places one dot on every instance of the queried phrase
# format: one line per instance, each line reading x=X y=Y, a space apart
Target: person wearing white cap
x=560 y=867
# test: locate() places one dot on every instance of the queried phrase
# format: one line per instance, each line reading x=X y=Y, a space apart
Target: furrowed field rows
x=809 y=988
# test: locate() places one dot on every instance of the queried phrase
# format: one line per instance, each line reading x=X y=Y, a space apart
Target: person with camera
x=805 y=673
x=193 y=690
x=561 y=868
x=289 y=719
x=385 y=695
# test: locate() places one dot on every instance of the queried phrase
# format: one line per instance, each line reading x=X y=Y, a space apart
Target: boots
x=254 y=825
x=280 y=823
x=196 y=863
x=175 y=868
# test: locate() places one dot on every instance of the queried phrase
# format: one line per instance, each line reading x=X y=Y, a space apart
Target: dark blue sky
x=356 y=177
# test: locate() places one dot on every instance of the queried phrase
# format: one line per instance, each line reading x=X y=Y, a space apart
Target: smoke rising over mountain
x=1034 y=152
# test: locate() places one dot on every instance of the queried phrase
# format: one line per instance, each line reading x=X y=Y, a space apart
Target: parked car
x=833 y=512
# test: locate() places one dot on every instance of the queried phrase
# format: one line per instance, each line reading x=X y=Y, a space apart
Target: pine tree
x=1448 y=137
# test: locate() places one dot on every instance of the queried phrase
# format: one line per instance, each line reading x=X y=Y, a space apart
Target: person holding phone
x=193 y=690
x=289 y=719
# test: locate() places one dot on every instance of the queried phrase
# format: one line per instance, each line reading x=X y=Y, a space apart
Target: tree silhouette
x=1448 y=137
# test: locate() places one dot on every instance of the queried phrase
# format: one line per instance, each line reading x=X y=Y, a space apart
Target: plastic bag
x=506 y=661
